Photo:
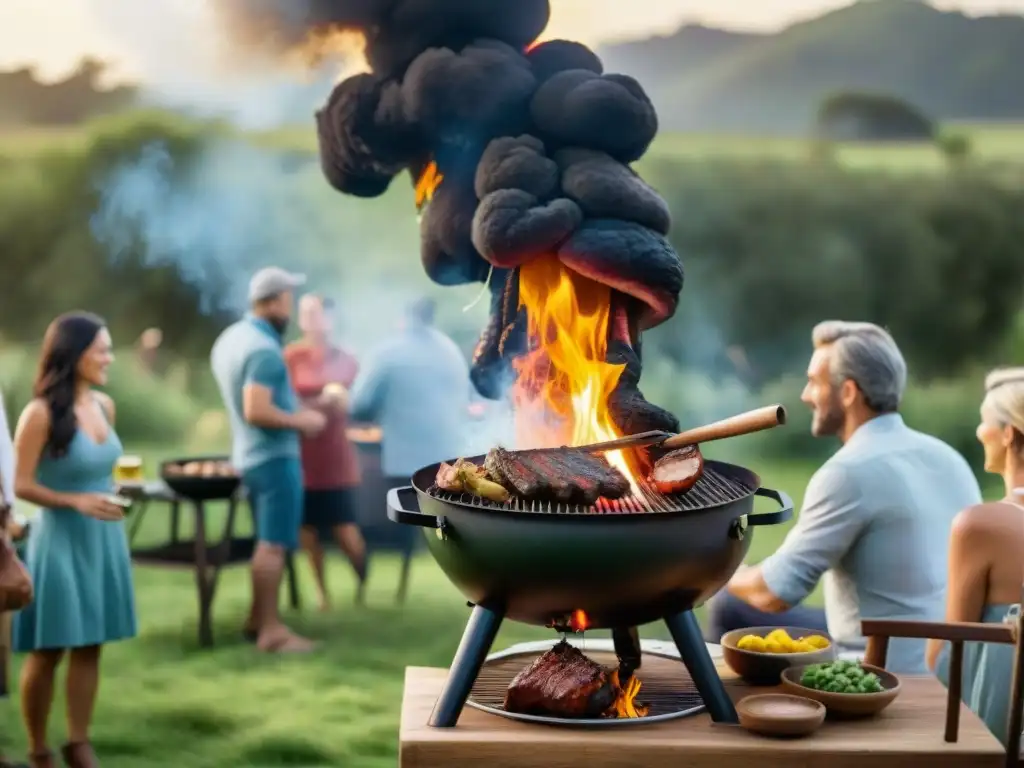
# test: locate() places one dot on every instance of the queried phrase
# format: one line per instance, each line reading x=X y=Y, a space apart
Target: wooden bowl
x=780 y=715
x=846 y=704
x=766 y=668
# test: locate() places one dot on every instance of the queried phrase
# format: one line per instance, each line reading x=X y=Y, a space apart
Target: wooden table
x=908 y=734
x=201 y=552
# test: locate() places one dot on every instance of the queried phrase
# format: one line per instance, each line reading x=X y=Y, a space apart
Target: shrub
x=770 y=249
x=149 y=410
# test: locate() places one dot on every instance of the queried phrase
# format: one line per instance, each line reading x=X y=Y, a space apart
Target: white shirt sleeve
x=6 y=457
x=832 y=518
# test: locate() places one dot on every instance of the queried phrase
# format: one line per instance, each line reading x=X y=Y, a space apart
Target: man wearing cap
x=266 y=423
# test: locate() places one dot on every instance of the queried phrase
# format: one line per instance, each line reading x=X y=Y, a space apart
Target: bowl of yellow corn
x=760 y=654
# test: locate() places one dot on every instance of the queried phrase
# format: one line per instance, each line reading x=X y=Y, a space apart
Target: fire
x=625 y=700
x=563 y=383
x=333 y=43
x=579 y=622
x=427 y=184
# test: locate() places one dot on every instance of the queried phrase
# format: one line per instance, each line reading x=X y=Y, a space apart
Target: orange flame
x=332 y=43
x=563 y=383
x=579 y=622
x=427 y=184
x=625 y=700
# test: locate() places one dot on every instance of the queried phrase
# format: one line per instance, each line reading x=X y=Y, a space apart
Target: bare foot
x=283 y=640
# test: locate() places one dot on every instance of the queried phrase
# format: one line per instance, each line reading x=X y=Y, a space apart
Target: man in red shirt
x=322 y=373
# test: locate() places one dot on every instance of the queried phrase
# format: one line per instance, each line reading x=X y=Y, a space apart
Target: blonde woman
x=986 y=555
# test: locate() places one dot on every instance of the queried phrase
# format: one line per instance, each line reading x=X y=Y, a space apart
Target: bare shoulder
x=982 y=521
x=35 y=415
x=107 y=404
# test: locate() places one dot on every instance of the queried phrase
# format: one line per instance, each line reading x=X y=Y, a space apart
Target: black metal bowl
x=621 y=570
x=198 y=488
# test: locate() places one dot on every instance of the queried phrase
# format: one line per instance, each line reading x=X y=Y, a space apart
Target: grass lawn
x=165 y=702
x=989 y=142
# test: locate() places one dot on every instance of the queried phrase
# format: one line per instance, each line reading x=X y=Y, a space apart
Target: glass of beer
x=128 y=470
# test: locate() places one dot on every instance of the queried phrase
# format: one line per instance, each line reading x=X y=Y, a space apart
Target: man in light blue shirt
x=877 y=516
x=266 y=420
x=416 y=389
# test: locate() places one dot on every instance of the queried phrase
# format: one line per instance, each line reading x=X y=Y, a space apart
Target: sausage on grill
x=678 y=471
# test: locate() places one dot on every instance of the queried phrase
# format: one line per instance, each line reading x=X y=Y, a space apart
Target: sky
x=55 y=34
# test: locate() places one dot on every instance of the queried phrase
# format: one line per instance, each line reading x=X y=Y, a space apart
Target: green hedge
x=150 y=411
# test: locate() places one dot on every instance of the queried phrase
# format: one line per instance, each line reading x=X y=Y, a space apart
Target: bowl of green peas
x=846 y=688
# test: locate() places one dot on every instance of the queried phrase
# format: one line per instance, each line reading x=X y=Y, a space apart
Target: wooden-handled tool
x=741 y=424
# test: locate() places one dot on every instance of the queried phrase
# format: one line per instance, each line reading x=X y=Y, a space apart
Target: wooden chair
x=879 y=632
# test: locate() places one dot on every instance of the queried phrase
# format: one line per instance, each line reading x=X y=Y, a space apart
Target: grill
x=711 y=490
x=622 y=569
x=666 y=687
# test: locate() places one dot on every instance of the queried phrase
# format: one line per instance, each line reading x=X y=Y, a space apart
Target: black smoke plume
x=534 y=144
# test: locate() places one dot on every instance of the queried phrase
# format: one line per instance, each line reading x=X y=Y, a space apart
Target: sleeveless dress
x=988 y=673
x=81 y=567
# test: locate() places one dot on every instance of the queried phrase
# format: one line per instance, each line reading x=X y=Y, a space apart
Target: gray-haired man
x=876 y=517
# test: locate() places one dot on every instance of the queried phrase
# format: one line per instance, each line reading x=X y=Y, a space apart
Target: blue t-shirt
x=251 y=352
x=416 y=388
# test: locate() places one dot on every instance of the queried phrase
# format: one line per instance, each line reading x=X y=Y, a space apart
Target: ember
x=527 y=148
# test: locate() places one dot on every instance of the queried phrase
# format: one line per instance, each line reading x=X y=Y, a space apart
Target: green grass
x=165 y=702
x=990 y=142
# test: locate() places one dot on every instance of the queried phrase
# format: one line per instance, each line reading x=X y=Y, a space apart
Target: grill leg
x=627 y=650
x=687 y=635
x=480 y=632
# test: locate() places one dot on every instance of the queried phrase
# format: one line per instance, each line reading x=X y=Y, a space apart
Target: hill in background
x=952 y=66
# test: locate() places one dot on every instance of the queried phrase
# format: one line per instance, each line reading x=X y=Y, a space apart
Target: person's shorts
x=275 y=495
x=325 y=509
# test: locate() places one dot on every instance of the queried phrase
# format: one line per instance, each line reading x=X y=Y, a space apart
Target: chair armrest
x=964 y=632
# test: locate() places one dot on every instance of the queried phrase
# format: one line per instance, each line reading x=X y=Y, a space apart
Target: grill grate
x=711 y=490
x=666 y=687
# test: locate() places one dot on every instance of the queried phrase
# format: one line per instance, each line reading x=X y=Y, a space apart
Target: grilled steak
x=561 y=683
x=678 y=471
x=567 y=475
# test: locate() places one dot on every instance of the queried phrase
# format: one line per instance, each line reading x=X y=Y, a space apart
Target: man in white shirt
x=876 y=518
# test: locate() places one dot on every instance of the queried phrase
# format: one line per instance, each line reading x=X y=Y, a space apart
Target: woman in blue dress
x=66 y=449
x=986 y=557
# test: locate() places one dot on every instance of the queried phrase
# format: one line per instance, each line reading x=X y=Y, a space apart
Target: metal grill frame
x=713 y=489
x=685 y=710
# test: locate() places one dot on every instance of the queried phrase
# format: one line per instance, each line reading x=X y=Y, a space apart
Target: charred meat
x=678 y=471
x=567 y=475
x=562 y=683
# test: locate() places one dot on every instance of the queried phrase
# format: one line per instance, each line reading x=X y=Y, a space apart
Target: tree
x=852 y=116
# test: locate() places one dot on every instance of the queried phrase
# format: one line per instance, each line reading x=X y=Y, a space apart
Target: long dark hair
x=66 y=340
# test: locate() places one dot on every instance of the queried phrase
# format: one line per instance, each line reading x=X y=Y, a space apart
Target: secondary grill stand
x=482 y=629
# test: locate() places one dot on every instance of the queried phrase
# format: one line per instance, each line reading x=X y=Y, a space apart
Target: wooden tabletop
x=907 y=734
